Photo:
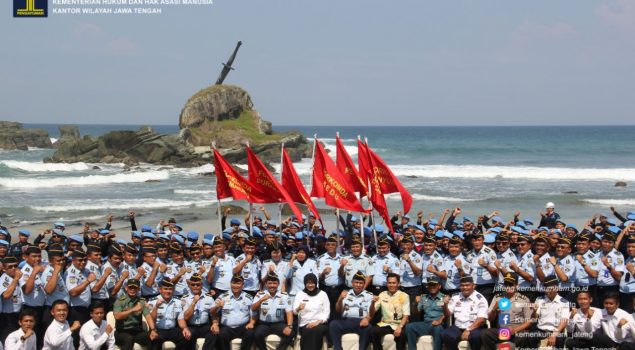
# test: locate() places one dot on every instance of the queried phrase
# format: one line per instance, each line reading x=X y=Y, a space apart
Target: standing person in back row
x=549 y=218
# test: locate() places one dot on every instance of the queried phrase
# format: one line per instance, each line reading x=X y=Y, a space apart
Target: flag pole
x=361 y=215
x=281 y=161
x=337 y=213
x=372 y=214
x=251 y=208
x=311 y=176
x=220 y=221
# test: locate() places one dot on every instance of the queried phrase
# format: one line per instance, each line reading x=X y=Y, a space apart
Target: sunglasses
x=195 y=284
x=82 y=260
x=8 y=267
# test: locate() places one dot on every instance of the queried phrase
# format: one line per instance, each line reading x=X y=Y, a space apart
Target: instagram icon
x=504 y=334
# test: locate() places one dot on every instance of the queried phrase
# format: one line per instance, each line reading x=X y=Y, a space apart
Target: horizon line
x=354 y=125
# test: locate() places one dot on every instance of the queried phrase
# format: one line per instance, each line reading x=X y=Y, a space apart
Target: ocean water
x=479 y=169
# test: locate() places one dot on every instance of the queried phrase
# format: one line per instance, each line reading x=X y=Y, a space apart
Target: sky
x=331 y=62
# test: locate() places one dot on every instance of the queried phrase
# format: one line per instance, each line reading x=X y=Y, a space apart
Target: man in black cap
x=357 y=308
x=11 y=296
x=248 y=265
x=514 y=316
x=627 y=283
x=587 y=266
x=469 y=312
x=169 y=319
x=198 y=308
x=382 y=263
x=552 y=315
x=274 y=315
x=54 y=284
x=481 y=260
x=431 y=305
x=328 y=264
x=611 y=264
x=78 y=280
x=128 y=310
x=525 y=268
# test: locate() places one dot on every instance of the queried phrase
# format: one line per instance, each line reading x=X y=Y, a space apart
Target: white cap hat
x=550 y=205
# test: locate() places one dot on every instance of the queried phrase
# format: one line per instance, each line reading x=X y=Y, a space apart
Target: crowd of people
x=487 y=281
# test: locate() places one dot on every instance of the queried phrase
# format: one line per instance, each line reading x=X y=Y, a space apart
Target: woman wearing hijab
x=313 y=309
x=299 y=266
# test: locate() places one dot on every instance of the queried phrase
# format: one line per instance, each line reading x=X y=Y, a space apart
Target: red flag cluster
x=336 y=183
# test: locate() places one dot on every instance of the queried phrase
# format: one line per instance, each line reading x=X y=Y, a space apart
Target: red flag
x=261 y=178
x=347 y=168
x=329 y=183
x=229 y=183
x=363 y=160
x=292 y=184
x=387 y=180
x=376 y=195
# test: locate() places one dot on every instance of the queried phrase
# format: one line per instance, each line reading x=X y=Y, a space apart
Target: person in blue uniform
x=11 y=296
x=273 y=313
x=357 y=308
x=431 y=305
x=197 y=311
x=78 y=280
x=167 y=313
x=235 y=320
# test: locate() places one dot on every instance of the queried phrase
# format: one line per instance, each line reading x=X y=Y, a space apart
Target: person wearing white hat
x=549 y=217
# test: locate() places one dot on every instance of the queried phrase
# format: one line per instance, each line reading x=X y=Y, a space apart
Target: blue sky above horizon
x=366 y=62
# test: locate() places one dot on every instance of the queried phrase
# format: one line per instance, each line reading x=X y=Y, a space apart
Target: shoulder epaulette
x=248 y=296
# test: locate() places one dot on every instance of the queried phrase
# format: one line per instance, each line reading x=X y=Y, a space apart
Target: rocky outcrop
x=129 y=147
x=13 y=136
x=219 y=113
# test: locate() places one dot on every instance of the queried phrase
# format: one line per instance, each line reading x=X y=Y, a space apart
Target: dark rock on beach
x=13 y=136
x=219 y=113
x=620 y=184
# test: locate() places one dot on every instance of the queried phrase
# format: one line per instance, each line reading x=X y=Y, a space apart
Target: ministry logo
x=30 y=8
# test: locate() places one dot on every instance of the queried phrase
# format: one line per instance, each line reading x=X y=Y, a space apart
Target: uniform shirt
x=583 y=325
x=281 y=268
x=453 y=279
x=37 y=295
x=13 y=341
x=223 y=273
x=201 y=314
x=93 y=337
x=378 y=262
x=297 y=273
x=480 y=274
x=112 y=279
x=167 y=313
x=316 y=308
x=610 y=322
x=616 y=260
x=582 y=278
x=195 y=267
x=393 y=307
x=354 y=264
x=526 y=263
x=432 y=306
x=250 y=272
x=627 y=282
x=73 y=278
x=466 y=310
x=274 y=309
x=519 y=312
x=333 y=278
x=133 y=321
x=236 y=310
x=180 y=288
x=14 y=303
x=132 y=271
x=408 y=277
x=547 y=269
x=567 y=265
x=58 y=337
x=60 y=292
x=505 y=258
x=357 y=305
x=98 y=272
x=435 y=259
x=551 y=312
x=154 y=288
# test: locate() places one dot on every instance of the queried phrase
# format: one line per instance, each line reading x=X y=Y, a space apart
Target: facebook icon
x=503 y=319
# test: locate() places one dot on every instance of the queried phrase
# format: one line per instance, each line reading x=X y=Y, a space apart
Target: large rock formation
x=220 y=113
x=14 y=136
x=130 y=147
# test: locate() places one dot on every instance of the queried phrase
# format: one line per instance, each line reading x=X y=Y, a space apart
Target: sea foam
x=91 y=180
x=44 y=167
x=137 y=204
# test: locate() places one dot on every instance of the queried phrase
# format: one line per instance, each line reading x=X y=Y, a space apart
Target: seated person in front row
x=469 y=310
x=431 y=305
